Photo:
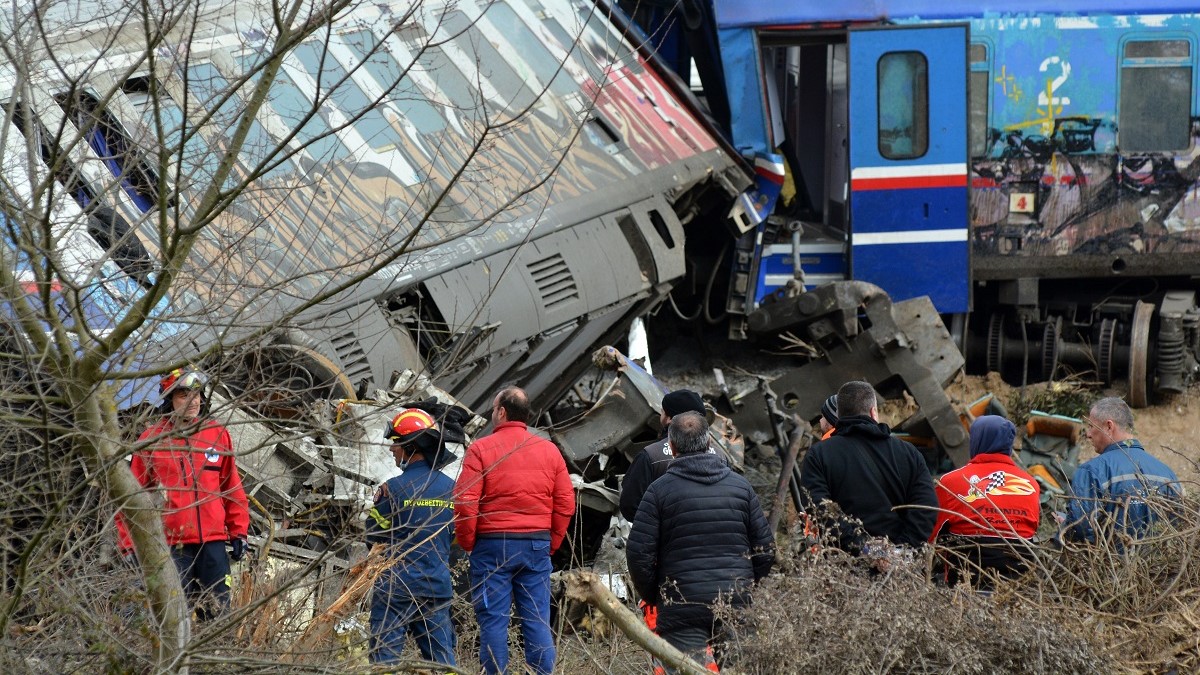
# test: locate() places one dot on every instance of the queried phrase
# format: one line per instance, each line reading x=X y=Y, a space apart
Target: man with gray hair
x=1111 y=490
x=879 y=483
x=699 y=535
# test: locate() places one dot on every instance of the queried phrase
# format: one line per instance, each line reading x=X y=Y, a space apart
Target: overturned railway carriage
x=482 y=190
x=1033 y=167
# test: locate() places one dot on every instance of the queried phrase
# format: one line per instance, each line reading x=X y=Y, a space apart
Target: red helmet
x=409 y=425
x=182 y=378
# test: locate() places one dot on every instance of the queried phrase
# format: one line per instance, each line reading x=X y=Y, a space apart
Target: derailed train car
x=480 y=192
x=485 y=191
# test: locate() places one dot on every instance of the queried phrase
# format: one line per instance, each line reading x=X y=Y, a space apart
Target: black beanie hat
x=829 y=410
x=681 y=401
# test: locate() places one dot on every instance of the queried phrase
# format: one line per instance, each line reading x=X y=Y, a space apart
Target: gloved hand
x=239 y=549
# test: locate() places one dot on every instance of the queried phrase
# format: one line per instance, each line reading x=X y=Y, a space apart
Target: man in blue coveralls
x=413 y=517
x=1124 y=490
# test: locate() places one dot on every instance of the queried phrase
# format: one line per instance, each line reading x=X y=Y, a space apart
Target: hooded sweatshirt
x=991 y=496
x=879 y=482
x=699 y=533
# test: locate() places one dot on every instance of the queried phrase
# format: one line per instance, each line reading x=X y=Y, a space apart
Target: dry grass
x=1111 y=607
x=1116 y=606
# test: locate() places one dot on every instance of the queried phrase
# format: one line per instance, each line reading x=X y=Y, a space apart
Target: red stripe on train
x=904 y=182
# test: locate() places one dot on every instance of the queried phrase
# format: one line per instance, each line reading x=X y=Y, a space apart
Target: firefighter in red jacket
x=188 y=460
x=990 y=508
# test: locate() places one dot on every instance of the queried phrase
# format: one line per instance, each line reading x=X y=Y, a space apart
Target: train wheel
x=280 y=381
x=1139 y=355
x=1050 y=344
x=995 y=343
x=1104 y=365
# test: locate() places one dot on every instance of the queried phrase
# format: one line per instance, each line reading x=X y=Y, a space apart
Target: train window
x=979 y=85
x=903 y=105
x=391 y=76
x=458 y=92
x=334 y=79
x=64 y=170
x=195 y=163
x=293 y=106
x=1155 y=105
x=492 y=66
x=108 y=140
x=258 y=151
x=544 y=64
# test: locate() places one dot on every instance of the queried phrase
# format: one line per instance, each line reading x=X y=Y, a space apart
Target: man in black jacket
x=880 y=483
x=699 y=534
x=652 y=462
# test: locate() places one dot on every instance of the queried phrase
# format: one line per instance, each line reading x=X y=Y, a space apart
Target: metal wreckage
x=852 y=330
x=317 y=486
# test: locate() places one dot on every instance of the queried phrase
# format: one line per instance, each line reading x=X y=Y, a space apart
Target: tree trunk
x=168 y=604
x=586 y=587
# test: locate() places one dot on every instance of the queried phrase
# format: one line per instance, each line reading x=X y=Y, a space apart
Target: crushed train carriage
x=483 y=192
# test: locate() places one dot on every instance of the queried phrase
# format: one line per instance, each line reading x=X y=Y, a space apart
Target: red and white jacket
x=196 y=475
x=512 y=482
x=989 y=497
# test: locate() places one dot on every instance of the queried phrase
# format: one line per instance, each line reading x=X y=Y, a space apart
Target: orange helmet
x=410 y=425
x=182 y=378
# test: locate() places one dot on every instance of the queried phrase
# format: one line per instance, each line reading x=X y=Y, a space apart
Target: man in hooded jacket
x=990 y=508
x=880 y=484
x=699 y=535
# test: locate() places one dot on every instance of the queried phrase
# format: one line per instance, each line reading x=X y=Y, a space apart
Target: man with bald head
x=513 y=502
x=1119 y=490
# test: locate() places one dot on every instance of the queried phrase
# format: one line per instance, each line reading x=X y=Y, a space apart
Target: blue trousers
x=504 y=570
x=428 y=619
x=204 y=574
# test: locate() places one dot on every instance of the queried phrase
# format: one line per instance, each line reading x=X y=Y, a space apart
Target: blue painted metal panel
x=908 y=151
x=731 y=13
x=822 y=262
x=913 y=270
x=747 y=104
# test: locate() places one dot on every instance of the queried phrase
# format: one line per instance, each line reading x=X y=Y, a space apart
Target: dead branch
x=586 y=587
x=359 y=580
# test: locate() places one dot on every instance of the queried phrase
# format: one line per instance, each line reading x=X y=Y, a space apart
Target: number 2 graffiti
x=1053 y=105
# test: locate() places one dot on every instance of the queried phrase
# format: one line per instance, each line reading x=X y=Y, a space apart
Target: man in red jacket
x=990 y=508
x=512 y=503
x=188 y=460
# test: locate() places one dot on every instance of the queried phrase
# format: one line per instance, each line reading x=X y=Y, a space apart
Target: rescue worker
x=699 y=536
x=188 y=459
x=513 y=502
x=990 y=508
x=413 y=518
x=880 y=483
x=1122 y=489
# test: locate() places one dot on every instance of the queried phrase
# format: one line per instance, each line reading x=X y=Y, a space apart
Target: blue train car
x=1031 y=170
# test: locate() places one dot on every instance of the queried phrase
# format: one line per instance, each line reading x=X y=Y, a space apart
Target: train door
x=907 y=159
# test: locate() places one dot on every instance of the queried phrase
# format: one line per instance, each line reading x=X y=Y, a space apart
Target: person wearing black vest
x=880 y=484
x=652 y=462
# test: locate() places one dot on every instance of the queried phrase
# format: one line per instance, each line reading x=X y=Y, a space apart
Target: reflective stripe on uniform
x=383 y=523
x=436 y=503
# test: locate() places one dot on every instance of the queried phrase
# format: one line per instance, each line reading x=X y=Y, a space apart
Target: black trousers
x=204 y=573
